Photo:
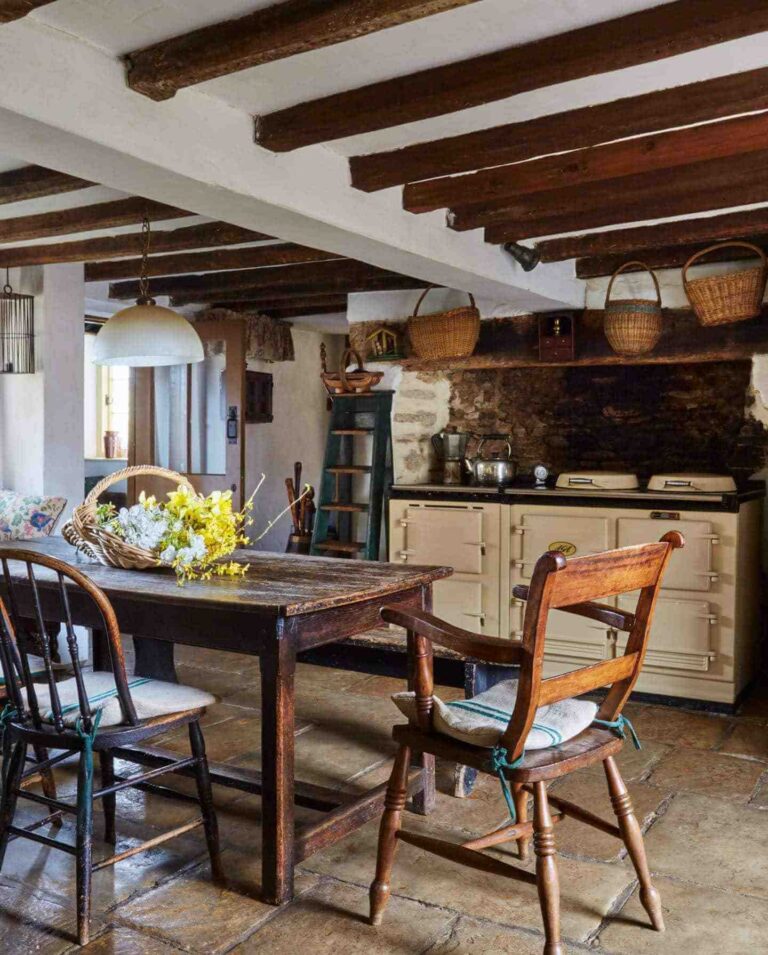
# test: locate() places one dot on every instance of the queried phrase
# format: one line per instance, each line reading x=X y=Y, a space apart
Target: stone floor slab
x=711 y=842
x=704 y=921
x=691 y=770
x=332 y=919
x=667 y=724
x=748 y=739
x=471 y=937
x=635 y=764
x=34 y=923
x=122 y=941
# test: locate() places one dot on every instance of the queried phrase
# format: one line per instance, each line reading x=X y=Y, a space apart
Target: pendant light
x=17 y=331
x=146 y=334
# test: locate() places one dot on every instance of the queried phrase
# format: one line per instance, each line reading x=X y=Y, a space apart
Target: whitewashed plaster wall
x=297 y=433
x=41 y=415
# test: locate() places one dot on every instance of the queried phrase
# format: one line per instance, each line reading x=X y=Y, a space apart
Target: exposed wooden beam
x=338 y=286
x=669 y=257
x=324 y=276
x=256 y=257
x=334 y=300
x=34 y=182
x=574 y=129
x=642 y=37
x=667 y=150
x=16 y=9
x=114 y=246
x=700 y=187
x=281 y=30
x=101 y=215
x=296 y=312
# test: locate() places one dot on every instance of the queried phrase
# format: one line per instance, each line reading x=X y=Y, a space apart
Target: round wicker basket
x=84 y=533
x=733 y=297
x=451 y=334
x=632 y=325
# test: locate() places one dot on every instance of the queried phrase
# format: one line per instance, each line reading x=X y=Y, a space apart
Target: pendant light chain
x=144 y=296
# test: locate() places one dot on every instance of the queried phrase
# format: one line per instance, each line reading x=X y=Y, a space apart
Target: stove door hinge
x=517 y=529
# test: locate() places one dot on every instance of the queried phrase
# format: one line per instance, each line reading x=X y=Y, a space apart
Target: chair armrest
x=618 y=619
x=487 y=649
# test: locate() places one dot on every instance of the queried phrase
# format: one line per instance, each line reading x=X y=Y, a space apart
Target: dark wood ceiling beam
x=115 y=246
x=298 y=312
x=575 y=129
x=325 y=275
x=731 y=225
x=257 y=257
x=16 y=9
x=646 y=36
x=671 y=257
x=285 y=299
x=273 y=33
x=339 y=286
x=679 y=147
x=700 y=187
x=36 y=182
x=101 y=215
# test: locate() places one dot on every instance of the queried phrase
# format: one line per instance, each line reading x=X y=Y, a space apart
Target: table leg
x=424 y=799
x=278 y=664
x=154 y=658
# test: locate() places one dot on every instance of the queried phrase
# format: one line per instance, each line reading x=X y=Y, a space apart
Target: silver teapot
x=494 y=471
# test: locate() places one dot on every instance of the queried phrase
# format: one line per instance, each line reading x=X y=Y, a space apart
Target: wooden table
x=285 y=604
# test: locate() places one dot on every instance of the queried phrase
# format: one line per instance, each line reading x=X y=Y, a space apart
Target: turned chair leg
x=633 y=840
x=205 y=795
x=84 y=845
x=547 y=881
x=109 y=803
x=521 y=811
x=12 y=773
x=391 y=821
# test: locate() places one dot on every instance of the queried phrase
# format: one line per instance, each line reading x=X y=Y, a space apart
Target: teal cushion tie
x=499 y=763
x=620 y=726
x=83 y=800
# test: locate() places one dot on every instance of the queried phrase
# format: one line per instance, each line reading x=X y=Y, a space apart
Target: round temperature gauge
x=541 y=474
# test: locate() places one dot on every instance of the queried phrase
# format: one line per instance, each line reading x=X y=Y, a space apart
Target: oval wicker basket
x=84 y=533
x=632 y=325
x=451 y=334
x=346 y=382
x=733 y=297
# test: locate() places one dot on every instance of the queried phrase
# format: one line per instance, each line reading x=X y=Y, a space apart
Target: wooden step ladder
x=360 y=427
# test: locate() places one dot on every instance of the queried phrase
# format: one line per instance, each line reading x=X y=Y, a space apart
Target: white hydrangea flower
x=143 y=527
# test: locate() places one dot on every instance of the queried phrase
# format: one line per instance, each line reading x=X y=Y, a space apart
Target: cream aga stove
x=704 y=639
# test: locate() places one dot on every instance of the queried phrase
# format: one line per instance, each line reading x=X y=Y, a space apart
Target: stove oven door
x=682 y=634
x=688 y=569
x=571 y=641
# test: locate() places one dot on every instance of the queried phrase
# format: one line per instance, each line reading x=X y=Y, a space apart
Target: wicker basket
x=451 y=334
x=733 y=297
x=84 y=533
x=632 y=325
x=347 y=382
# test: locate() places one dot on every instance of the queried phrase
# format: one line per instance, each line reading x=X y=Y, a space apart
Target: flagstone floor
x=700 y=785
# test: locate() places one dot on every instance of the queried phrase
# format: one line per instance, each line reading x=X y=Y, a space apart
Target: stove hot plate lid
x=598 y=481
x=692 y=483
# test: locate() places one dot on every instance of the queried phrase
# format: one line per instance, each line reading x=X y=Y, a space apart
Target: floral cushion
x=28 y=516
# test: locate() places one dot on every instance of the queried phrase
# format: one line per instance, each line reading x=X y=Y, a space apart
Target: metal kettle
x=450 y=445
x=495 y=471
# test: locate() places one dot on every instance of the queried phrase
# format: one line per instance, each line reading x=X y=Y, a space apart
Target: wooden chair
x=65 y=716
x=572 y=586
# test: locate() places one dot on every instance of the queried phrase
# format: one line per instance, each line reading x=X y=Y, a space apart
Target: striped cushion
x=482 y=719
x=150 y=697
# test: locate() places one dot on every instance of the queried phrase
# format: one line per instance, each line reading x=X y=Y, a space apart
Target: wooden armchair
x=572 y=586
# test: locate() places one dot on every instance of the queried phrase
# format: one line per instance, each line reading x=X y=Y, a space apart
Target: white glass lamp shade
x=147 y=335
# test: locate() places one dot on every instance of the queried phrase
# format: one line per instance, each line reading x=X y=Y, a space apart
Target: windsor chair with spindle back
x=572 y=586
x=90 y=713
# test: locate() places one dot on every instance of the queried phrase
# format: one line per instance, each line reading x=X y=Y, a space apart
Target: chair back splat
x=52 y=584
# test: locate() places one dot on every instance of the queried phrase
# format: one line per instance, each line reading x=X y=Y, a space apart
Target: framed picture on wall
x=258 y=397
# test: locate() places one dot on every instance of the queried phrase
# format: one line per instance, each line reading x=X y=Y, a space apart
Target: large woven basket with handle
x=84 y=532
x=451 y=334
x=733 y=297
x=632 y=325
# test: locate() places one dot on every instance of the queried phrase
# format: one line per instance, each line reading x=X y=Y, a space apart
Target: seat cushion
x=150 y=697
x=482 y=719
x=28 y=516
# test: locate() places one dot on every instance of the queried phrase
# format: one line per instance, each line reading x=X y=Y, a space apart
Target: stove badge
x=566 y=548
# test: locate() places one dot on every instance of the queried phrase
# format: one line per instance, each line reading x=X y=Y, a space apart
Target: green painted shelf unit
x=360 y=425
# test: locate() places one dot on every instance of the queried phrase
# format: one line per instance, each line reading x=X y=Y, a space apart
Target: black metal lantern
x=17 y=331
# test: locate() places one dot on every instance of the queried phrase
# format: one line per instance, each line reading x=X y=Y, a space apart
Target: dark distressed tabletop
x=279 y=584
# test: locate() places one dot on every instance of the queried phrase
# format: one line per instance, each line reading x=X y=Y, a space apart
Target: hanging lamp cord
x=144 y=297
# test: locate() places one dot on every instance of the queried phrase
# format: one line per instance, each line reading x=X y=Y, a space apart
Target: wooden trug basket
x=347 y=382
x=84 y=533
x=733 y=297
